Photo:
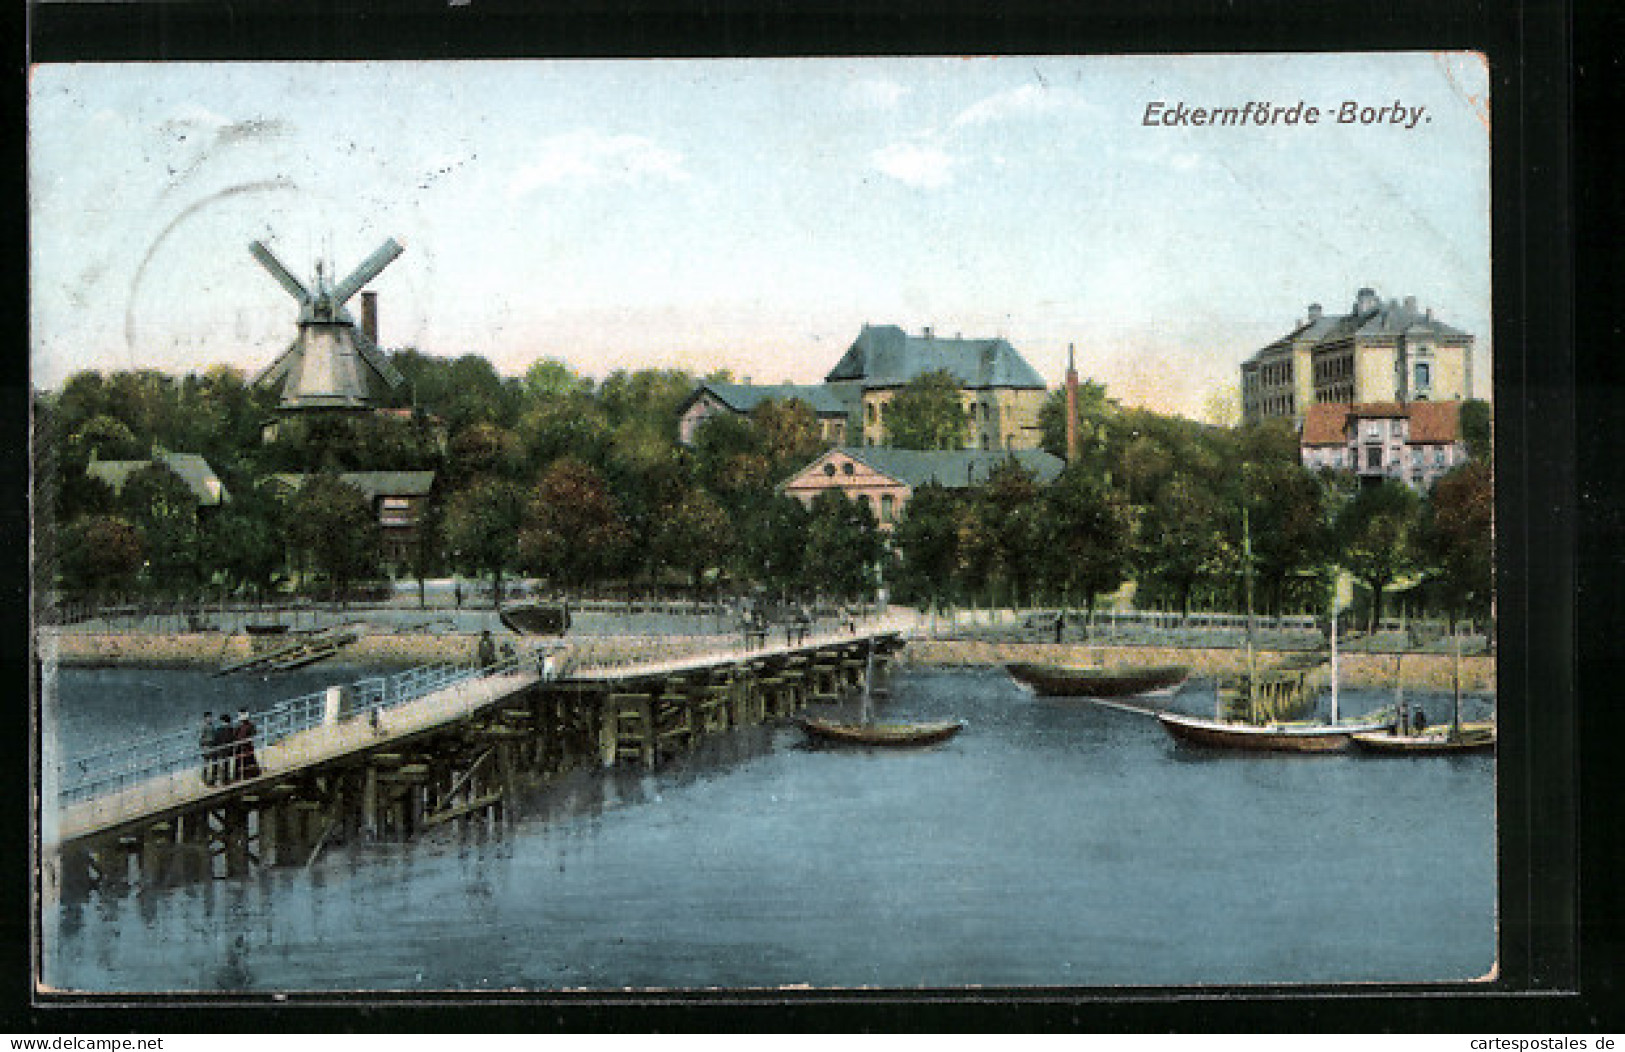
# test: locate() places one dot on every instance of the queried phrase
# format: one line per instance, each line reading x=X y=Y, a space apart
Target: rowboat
x=926 y=733
x=1074 y=681
x=866 y=732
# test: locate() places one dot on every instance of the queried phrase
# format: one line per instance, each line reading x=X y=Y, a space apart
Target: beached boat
x=1074 y=681
x=536 y=619
x=925 y=733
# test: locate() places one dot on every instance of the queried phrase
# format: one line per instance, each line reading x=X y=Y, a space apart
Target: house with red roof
x=1410 y=442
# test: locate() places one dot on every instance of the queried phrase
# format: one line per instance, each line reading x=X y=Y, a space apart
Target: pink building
x=1413 y=442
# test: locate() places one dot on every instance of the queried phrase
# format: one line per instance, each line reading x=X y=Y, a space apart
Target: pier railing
x=130 y=763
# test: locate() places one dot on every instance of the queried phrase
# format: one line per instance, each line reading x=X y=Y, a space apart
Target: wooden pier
x=462 y=753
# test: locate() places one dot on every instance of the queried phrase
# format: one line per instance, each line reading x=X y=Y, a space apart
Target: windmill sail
x=330 y=365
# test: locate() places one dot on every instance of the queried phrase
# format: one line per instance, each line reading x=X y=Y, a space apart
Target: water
x=1052 y=843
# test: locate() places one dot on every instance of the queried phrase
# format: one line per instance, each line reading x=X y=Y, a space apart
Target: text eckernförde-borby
x=1159 y=113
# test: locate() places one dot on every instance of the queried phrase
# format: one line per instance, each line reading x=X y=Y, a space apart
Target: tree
x=926 y=413
x=1287 y=506
x=164 y=508
x=1477 y=429
x=482 y=526
x=771 y=540
x=790 y=434
x=1183 y=540
x=1002 y=532
x=571 y=531
x=1377 y=538
x=483 y=448
x=332 y=524
x=843 y=544
x=1457 y=538
x=244 y=542
x=102 y=437
x=1090 y=535
x=100 y=555
x=693 y=535
x=927 y=539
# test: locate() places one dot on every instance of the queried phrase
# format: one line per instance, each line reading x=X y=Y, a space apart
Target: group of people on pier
x=228 y=748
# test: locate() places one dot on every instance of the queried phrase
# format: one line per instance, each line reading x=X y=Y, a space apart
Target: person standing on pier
x=225 y=746
x=485 y=653
x=247 y=764
x=206 y=747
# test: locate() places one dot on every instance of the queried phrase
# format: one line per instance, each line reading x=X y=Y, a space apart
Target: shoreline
x=211 y=651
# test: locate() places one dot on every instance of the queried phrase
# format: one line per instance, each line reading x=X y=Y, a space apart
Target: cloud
x=915 y=164
x=585 y=157
x=876 y=94
x=1029 y=100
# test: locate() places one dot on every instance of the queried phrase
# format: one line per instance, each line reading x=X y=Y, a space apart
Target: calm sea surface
x=1052 y=843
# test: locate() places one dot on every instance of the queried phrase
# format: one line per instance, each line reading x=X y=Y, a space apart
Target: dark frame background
x=1558 y=969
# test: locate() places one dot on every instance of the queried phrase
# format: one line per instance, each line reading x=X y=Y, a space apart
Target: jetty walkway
x=390 y=757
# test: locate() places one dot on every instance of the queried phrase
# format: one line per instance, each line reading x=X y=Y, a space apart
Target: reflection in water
x=1052 y=842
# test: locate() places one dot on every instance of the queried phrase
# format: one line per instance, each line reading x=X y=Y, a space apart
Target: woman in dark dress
x=247 y=764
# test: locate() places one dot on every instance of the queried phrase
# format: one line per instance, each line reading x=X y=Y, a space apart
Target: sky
x=753 y=215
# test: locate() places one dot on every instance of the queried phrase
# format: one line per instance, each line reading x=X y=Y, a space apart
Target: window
x=829 y=469
x=1438 y=454
x=887 y=507
x=846 y=468
x=1423 y=376
x=1373 y=457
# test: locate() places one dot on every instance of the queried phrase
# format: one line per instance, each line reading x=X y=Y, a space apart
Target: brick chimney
x=369 y=316
x=1314 y=312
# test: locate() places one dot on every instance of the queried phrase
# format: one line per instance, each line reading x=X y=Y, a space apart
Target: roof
x=742 y=398
x=372 y=484
x=1432 y=423
x=1379 y=318
x=952 y=468
x=885 y=356
x=193 y=470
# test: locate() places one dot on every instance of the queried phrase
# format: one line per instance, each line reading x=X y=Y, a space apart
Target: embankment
x=210 y=651
x=1429 y=671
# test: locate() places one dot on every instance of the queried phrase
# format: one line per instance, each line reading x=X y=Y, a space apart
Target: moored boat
x=1468 y=737
x=925 y=733
x=1266 y=737
x=1074 y=681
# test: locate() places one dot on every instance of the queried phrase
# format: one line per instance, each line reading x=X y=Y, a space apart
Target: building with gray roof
x=192 y=469
x=1380 y=351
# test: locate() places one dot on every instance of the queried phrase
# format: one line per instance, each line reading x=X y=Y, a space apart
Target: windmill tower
x=331 y=364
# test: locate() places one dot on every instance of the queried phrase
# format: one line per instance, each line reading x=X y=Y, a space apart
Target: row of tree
x=581 y=482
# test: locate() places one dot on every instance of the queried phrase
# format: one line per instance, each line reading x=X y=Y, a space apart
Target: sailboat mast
x=1455 y=683
x=1334 y=656
x=1247 y=554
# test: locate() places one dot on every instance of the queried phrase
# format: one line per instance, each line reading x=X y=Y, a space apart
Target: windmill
x=332 y=364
